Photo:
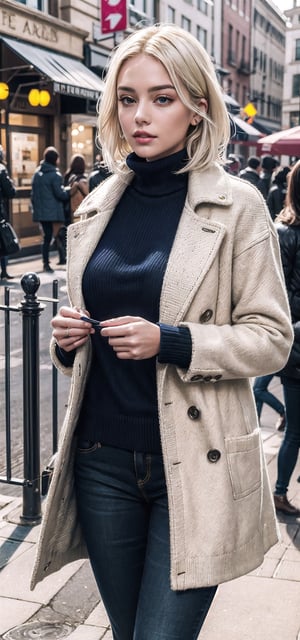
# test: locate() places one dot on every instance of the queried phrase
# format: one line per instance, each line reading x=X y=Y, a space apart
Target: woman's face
x=153 y=119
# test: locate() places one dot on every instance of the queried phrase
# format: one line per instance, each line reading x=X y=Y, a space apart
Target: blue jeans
x=288 y=452
x=263 y=396
x=123 y=510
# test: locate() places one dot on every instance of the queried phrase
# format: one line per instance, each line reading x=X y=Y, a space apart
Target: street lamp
x=39 y=98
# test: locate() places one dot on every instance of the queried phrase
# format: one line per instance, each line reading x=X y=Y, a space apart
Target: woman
x=161 y=424
x=288 y=227
x=76 y=178
x=278 y=190
x=48 y=196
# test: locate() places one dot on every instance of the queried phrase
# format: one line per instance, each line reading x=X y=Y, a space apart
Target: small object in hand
x=94 y=323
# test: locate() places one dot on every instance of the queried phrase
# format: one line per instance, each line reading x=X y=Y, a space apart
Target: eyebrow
x=157 y=88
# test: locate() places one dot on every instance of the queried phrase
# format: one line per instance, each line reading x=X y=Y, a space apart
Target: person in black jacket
x=268 y=165
x=48 y=196
x=251 y=171
x=288 y=227
x=278 y=190
x=100 y=172
x=7 y=191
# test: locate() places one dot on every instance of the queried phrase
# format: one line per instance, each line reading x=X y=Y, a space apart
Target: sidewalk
x=18 y=266
x=264 y=605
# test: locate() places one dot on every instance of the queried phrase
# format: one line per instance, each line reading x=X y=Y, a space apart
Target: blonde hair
x=193 y=75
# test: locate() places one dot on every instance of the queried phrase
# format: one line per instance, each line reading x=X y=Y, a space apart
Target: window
x=185 y=23
x=202 y=6
x=244 y=42
x=294 y=118
x=255 y=58
x=297 y=51
x=237 y=43
x=171 y=14
x=47 y=6
x=296 y=85
x=202 y=36
x=231 y=57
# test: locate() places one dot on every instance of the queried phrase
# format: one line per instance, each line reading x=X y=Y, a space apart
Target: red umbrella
x=286 y=142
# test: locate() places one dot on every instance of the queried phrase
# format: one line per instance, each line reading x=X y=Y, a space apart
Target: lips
x=143 y=135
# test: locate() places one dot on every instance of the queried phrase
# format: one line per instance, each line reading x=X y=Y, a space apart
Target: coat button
x=196 y=377
x=214 y=455
x=207 y=378
x=218 y=376
x=193 y=413
x=206 y=315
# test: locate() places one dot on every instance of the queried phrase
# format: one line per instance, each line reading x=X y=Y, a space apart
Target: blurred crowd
x=267 y=174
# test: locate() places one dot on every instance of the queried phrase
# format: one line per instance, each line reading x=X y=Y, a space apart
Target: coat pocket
x=244 y=463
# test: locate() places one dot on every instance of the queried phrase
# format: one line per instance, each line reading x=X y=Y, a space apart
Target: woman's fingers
x=69 y=330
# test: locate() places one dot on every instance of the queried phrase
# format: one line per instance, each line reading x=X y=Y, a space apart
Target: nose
x=142 y=113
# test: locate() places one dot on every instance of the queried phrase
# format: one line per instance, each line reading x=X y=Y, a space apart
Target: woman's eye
x=126 y=100
x=163 y=100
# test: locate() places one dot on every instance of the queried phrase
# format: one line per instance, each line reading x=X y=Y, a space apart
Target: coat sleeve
x=258 y=338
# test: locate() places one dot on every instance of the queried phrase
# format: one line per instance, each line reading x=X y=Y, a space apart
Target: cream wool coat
x=224 y=281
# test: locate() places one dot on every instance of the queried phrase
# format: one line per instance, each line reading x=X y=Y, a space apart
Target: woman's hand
x=68 y=330
x=131 y=337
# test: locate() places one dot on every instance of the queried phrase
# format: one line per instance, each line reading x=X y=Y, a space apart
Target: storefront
x=51 y=100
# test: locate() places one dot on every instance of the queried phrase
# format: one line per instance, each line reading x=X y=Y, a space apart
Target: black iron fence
x=30 y=309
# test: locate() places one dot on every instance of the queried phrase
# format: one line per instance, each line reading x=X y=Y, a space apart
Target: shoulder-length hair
x=290 y=214
x=77 y=164
x=193 y=76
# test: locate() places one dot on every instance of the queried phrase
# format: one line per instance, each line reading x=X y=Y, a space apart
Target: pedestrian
x=76 y=178
x=263 y=396
x=268 y=164
x=278 y=190
x=288 y=227
x=232 y=164
x=161 y=422
x=7 y=191
x=47 y=197
x=100 y=172
x=251 y=171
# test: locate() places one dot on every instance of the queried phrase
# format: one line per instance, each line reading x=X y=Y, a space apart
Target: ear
x=196 y=118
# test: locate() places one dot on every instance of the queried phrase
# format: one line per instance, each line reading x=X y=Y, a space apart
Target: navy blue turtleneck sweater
x=124 y=277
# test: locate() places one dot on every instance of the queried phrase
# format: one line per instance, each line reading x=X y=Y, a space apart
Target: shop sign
x=113 y=15
x=18 y=25
x=78 y=92
x=11 y=22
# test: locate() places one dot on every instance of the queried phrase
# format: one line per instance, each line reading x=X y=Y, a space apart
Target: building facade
x=291 y=92
x=268 y=41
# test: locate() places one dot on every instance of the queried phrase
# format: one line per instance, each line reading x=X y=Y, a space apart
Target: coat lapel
x=195 y=246
x=197 y=241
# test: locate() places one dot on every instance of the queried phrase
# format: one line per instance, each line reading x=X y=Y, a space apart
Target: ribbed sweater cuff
x=175 y=345
x=66 y=357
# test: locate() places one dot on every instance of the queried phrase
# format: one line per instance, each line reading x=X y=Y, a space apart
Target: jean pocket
x=244 y=463
x=87 y=446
